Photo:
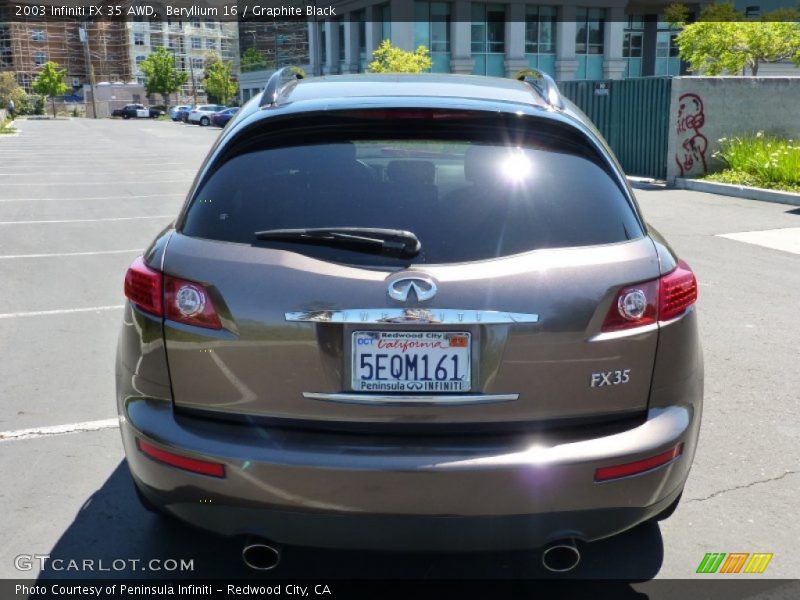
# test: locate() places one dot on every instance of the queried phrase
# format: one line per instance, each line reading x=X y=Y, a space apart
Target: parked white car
x=201 y=114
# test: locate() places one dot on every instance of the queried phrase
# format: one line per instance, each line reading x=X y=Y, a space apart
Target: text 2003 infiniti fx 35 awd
x=410 y=312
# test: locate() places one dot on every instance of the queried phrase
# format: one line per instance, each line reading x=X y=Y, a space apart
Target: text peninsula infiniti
x=410 y=312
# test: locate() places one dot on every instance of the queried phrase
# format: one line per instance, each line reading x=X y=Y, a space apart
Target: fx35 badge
x=604 y=378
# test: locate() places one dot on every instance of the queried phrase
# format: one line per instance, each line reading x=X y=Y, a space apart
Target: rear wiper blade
x=390 y=242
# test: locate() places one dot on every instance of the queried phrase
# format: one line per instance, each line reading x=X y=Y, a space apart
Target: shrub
x=764 y=158
x=389 y=59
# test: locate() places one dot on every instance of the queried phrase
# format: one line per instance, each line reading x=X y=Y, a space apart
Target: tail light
x=639 y=466
x=189 y=302
x=181 y=462
x=143 y=287
x=678 y=292
x=651 y=301
x=166 y=296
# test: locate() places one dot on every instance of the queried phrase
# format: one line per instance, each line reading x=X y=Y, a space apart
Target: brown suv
x=410 y=312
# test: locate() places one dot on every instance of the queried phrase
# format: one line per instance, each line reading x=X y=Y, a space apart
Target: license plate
x=411 y=361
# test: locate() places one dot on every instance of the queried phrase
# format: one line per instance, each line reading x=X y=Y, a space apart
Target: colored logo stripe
x=758 y=562
x=734 y=562
x=711 y=562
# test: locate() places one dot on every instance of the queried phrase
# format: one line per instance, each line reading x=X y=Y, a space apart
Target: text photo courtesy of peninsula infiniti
x=410 y=312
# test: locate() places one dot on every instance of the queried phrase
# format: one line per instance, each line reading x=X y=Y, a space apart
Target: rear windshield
x=469 y=193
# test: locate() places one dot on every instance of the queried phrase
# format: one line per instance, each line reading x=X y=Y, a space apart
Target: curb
x=738 y=191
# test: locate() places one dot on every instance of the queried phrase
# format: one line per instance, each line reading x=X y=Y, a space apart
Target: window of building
x=197 y=63
x=138 y=39
x=39 y=58
x=194 y=22
x=197 y=43
x=38 y=35
x=361 y=19
x=211 y=24
x=590 y=32
x=632 y=44
x=540 y=37
x=432 y=30
x=667 y=58
x=340 y=24
x=385 y=15
x=211 y=44
x=488 y=39
x=139 y=60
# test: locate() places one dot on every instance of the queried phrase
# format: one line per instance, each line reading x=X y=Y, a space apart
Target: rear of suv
x=410 y=312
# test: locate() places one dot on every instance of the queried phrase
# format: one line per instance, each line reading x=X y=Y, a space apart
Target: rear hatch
x=525 y=240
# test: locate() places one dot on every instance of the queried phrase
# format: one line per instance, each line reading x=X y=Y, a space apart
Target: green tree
x=218 y=78
x=254 y=60
x=161 y=76
x=723 y=40
x=388 y=59
x=10 y=90
x=51 y=82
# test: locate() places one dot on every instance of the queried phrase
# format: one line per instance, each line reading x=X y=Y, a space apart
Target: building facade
x=25 y=46
x=281 y=43
x=603 y=39
x=190 y=42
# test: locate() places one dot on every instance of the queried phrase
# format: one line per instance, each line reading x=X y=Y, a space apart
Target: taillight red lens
x=143 y=287
x=189 y=302
x=639 y=466
x=657 y=300
x=181 y=462
x=678 y=292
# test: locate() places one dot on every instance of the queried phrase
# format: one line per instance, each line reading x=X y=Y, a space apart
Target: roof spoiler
x=277 y=81
x=544 y=85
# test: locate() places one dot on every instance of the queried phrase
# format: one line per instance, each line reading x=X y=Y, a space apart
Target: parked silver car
x=201 y=114
x=410 y=312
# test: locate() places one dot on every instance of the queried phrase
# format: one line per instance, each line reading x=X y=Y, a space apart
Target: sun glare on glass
x=516 y=166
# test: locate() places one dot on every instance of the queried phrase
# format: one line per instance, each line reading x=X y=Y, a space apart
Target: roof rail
x=544 y=85
x=277 y=81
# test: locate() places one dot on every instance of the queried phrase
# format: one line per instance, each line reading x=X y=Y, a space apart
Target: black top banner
x=275 y=10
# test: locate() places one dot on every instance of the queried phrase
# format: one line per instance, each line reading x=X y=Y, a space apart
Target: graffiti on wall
x=692 y=144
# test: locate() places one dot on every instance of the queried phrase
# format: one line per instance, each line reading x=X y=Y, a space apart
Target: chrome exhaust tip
x=261 y=556
x=561 y=556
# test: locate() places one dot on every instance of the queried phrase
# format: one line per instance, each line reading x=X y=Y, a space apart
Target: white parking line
x=142 y=173
x=15 y=256
x=37 y=432
x=61 y=311
x=116 y=182
x=786 y=239
x=131 y=197
x=103 y=220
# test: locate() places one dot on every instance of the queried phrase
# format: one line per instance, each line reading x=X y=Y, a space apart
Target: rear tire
x=204 y=122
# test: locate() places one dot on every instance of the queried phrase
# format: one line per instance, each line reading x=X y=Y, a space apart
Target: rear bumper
x=354 y=491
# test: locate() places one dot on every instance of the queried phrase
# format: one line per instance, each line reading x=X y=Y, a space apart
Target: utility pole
x=83 y=35
x=191 y=71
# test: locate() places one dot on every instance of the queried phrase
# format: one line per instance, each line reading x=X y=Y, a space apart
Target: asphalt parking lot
x=80 y=198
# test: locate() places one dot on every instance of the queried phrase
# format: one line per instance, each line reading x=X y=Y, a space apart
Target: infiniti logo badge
x=422 y=287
